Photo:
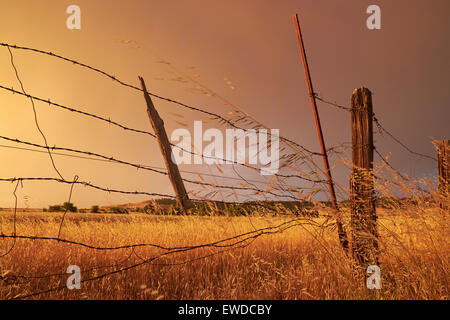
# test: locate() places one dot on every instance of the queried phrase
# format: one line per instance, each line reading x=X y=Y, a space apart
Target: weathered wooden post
x=443 y=150
x=362 y=195
x=164 y=144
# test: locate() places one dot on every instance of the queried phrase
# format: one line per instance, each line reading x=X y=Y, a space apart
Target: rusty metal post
x=341 y=231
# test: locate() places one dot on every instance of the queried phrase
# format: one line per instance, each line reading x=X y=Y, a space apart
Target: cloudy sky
x=246 y=52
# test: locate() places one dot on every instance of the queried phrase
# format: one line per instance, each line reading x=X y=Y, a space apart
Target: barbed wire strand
x=215 y=244
x=380 y=128
x=108 y=120
x=139 y=166
x=88 y=184
x=154 y=167
x=75 y=179
x=167 y=99
x=251 y=235
x=14 y=221
x=114 y=78
x=229 y=243
x=35 y=114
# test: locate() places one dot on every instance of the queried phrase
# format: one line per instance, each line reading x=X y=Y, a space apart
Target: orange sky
x=251 y=43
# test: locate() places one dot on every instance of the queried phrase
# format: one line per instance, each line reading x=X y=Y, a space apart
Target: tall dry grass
x=301 y=263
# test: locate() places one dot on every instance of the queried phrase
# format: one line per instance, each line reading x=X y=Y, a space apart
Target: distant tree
x=149 y=209
x=69 y=207
x=95 y=209
x=66 y=206
x=118 y=210
x=55 y=208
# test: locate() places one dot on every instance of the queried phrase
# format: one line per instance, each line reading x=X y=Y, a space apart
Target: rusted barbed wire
x=240 y=240
x=150 y=134
x=75 y=179
x=14 y=222
x=332 y=103
x=12 y=90
x=27 y=278
x=381 y=128
x=139 y=166
x=34 y=112
x=194 y=108
x=218 y=244
x=406 y=179
x=154 y=167
x=220 y=118
x=86 y=184
x=114 y=78
x=228 y=243
x=377 y=122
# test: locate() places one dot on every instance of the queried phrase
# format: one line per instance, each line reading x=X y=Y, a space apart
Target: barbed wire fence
x=300 y=162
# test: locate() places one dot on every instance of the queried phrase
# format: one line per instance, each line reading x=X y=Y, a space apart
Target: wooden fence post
x=172 y=168
x=362 y=195
x=443 y=150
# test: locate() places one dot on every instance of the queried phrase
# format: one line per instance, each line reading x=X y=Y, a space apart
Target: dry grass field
x=299 y=263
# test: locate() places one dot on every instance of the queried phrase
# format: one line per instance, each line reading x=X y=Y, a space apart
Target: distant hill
x=164 y=203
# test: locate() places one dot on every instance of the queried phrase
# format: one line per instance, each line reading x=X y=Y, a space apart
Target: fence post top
x=362 y=89
x=441 y=143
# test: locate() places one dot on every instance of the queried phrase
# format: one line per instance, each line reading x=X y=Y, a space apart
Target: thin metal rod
x=342 y=234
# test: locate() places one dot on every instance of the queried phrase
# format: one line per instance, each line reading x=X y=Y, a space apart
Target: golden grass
x=300 y=263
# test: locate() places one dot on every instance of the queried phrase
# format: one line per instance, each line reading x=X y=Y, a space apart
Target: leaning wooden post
x=362 y=195
x=172 y=168
x=443 y=149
